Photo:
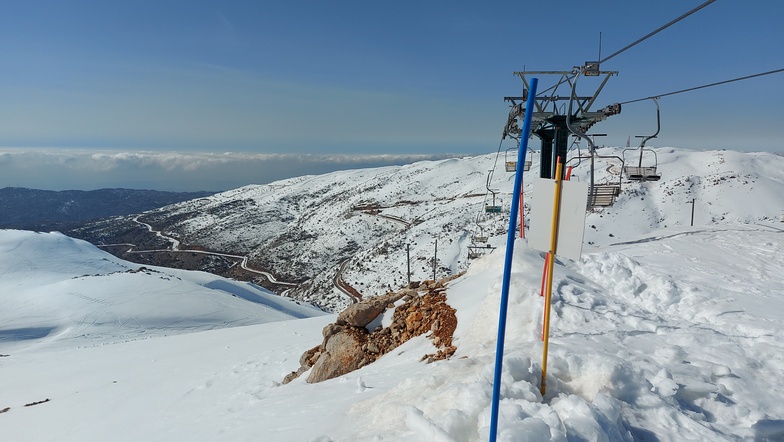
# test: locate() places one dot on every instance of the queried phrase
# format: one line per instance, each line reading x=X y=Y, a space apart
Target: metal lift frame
x=548 y=120
x=599 y=195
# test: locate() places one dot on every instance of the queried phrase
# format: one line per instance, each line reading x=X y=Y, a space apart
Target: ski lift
x=475 y=251
x=601 y=194
x=640 y=172
x=510 y=161
x=604 y=194
x=491 y=208
x=479 y=245
x=479 y=235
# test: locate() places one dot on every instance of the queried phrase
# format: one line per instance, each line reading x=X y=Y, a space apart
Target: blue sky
x=367 y=78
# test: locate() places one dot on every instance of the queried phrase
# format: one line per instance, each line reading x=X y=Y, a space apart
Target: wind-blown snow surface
x=658 y=333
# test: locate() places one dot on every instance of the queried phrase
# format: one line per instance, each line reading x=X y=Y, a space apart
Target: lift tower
x=549 y=121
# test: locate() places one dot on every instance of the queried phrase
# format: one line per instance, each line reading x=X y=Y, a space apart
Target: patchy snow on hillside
x=362 y=225
x=661 y=331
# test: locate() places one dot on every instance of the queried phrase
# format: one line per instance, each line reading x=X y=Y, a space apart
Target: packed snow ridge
x=661 y=331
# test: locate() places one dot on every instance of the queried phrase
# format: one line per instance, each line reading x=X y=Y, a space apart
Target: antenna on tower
x=600 y=45
x=591 y=68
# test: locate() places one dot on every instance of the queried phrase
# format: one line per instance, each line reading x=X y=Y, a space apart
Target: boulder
x=342 y=354
x=365 y=311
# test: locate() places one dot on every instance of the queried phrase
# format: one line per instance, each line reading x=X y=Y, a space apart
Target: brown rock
x=365 y=311
x=294 y=375
x=309 y=357
x=342 y=354
x=331 y=329
x=413 y=320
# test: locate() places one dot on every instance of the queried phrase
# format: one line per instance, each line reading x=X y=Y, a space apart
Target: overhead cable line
x=704 y=86
x=659 y=30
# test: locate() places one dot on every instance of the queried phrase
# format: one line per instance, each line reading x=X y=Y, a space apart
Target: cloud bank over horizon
x=89 y=169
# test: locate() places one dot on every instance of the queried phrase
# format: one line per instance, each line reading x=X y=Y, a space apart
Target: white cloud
x=59 y=169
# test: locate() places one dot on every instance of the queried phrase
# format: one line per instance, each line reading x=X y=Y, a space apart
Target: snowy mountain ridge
x=357 y=224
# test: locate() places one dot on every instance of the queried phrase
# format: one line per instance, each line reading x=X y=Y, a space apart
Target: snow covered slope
x=677 y=336
x=659 y=332
x=55 y=290
x=359 y=222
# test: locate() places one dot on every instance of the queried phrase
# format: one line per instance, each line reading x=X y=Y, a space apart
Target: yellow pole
x=549 y=289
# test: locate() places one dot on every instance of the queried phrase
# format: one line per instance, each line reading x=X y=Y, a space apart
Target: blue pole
x=510 y=239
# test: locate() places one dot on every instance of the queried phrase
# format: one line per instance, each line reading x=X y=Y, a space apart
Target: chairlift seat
x=478 y=239
x=493 y=209
x=603 y=195
x=635 y=173
x=511 y=166
x=479 y=251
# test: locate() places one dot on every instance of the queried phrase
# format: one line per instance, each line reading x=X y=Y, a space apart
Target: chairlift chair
x=599 y=195
x=475 y=251
x=491 y=208
x=479 y=234
x=510 y=162
x=640 y=172
x=603 y=194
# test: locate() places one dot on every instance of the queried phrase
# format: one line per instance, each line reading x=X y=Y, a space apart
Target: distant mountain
x=336 y=235
x=45 y=210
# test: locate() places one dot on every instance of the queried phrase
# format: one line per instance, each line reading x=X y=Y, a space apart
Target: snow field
x=634 y=353
x=660 y=332
x=57 y=291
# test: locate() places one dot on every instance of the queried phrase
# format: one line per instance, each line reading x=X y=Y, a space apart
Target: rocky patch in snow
x=358 y=337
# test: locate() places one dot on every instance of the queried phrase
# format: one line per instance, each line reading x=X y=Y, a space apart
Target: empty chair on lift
x=511 y=164
x=603 y=195
x=475 y=251
x=479 y=237
x=491 y=208
x=636 y=173
x=640 y=172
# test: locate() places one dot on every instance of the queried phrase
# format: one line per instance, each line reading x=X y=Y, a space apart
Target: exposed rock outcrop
x=365 y=311
x=349 y=345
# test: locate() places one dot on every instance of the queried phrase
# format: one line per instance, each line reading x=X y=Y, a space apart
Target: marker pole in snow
x=549 y=291
x=510 y=239
x=692 y=212
x=408 y=262
x=435 y=260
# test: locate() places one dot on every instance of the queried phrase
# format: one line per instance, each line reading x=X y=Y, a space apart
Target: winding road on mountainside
x=338 y=281
x=175 y=248
x=343 y=286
